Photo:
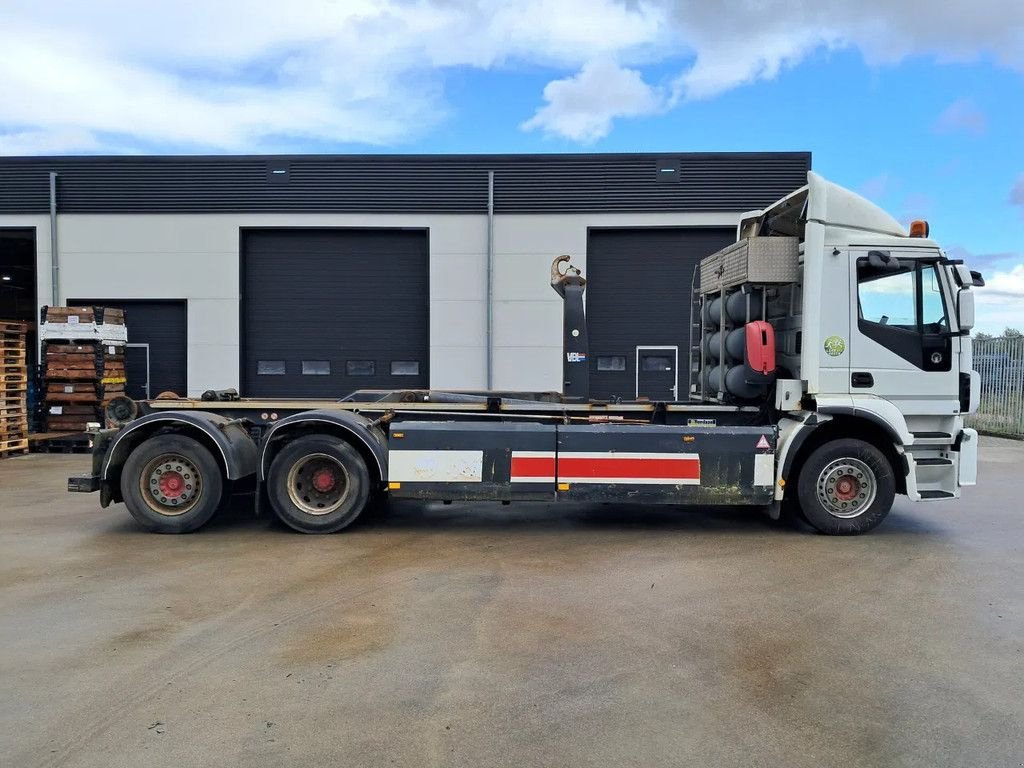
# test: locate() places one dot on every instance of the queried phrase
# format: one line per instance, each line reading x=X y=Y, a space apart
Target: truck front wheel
x=846 y=487
x=171 y=484
x=318 y=484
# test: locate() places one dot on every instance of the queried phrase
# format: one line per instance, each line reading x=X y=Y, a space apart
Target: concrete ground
x=531 y=635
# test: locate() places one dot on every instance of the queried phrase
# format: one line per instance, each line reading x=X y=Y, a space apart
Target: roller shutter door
x=329 y=311
x=638 y=307
x=158 y=330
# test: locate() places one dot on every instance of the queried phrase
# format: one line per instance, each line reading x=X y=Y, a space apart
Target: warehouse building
x=293 y=276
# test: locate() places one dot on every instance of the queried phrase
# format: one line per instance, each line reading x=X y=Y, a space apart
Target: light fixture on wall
x=6 y=278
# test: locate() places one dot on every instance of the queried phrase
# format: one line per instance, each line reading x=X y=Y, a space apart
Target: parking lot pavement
x=524 y=635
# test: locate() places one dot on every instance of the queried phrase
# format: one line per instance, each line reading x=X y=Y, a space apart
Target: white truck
x=830 y=371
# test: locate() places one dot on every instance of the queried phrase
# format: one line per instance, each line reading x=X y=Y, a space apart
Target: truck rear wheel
x=171 y=484
x=846 y=487
x=318 y=484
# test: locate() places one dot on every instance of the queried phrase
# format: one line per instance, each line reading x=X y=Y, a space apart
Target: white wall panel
x=211 y=366
x=458 y=323
x=528 y=323
x=529 y=368
x=458 y=367
x=196 y=257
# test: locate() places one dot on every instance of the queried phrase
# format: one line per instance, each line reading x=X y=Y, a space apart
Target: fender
x=879 y=412
x=358 y=427
x=791 y=438
x=236 y=451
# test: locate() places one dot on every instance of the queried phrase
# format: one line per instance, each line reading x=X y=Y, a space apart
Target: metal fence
x=1000 y=363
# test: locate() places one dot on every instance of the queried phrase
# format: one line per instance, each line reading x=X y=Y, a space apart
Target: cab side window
x=888 y=298
x=901 y=307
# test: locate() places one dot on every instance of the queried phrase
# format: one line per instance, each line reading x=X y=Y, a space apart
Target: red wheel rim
x=324 y=480
x=847 y=488
x=171 y=484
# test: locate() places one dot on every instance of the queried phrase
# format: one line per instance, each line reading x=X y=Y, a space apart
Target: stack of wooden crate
x=83 y=364
x=13 y=389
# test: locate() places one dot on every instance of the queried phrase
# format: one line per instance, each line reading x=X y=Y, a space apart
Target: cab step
x=937 y=462
x=931 y=495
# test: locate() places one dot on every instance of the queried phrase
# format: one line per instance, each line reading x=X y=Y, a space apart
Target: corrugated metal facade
x=625 y=183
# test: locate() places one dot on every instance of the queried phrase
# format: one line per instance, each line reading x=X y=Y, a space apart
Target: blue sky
x=922 y=111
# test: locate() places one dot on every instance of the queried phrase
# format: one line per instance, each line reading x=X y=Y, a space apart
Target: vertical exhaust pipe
x=570 y=285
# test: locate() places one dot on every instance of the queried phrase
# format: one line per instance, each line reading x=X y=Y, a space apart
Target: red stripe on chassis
x=613 y=468
x=540 y=467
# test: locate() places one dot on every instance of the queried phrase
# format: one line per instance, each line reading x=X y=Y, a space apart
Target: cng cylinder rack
x=735 y=283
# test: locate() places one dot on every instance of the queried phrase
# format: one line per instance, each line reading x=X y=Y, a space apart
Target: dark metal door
x=638 y=293
x=657 y=373
x=328 y=311
x=163 y=326
x=136 y=371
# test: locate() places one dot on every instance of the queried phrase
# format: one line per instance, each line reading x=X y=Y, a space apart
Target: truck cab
x=876 y=337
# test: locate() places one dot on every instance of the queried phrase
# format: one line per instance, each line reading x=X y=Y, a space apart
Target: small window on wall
x=405 y=367
x=270 y=368
x=611 y=362
x=360 y=368
x=655 y=363
x=316 y=368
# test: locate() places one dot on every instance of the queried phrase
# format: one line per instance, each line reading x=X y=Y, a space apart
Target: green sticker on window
x=835 y=346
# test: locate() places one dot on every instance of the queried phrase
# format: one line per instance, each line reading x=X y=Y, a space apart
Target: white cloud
x=740 y=41
x=1008 y=284
x=259 y=75
x=583 y=106
x=47 y=141
x=1001 y=301
x=962 y=116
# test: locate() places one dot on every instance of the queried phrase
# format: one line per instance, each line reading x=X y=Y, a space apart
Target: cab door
x=901 y=346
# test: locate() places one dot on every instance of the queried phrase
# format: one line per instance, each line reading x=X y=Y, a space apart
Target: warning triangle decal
x=763 y=443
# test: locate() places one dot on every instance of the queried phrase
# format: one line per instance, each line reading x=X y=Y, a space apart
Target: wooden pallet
x=11 y=357
x=106 y=315
x=13 y=447
x=13 y=388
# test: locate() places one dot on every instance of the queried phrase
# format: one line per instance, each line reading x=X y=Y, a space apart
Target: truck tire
x=846 y=487
x=172 y=484
x=318 y=484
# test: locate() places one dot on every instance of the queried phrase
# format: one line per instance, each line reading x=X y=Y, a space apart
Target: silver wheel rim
x=171 y=484
x=846 y=488
x=318 y=484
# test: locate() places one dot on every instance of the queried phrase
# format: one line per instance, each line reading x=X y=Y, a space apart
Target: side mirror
x=965 y=309
x=965 y=276
x=883 y=261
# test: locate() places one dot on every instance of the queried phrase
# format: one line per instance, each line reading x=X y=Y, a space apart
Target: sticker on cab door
x=835 y=346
